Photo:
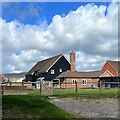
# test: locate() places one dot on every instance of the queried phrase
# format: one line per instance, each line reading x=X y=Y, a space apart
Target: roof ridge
x=90 y=71
x=90 y=74
x=113 y=61
x=49 y=58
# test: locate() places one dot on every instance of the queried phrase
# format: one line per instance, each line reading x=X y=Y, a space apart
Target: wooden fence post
x=118 y=82
x=100 y=86
x=40 y=87
x=2 y=90
x=22 y=83
x=52 y=87
x=76 y=87
x=59 y=83
x=65 y=84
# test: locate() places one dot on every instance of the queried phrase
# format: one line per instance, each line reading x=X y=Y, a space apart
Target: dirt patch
x=89 y=108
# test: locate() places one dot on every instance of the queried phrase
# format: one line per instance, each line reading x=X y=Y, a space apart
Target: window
x=60 y=70
x=52 y=72
x=35 y=73
x=84 y=82
x=32 y=73
x=74 y=82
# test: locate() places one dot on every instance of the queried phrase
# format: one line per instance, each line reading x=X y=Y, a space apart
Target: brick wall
x=14 y=90
x=29 y=85
x=89 y=83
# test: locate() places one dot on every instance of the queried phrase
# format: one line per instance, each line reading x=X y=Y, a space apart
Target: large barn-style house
x=48 y=69
x=58 y=68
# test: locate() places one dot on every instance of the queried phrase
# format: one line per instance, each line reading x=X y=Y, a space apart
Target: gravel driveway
x=89 y=108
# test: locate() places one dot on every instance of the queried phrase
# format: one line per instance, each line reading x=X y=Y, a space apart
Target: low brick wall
x=14 y=90
x=28 y=85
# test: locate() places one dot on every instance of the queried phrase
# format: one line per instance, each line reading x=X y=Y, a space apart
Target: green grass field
x=85 y=93
x=29 y=106
x=34 y=105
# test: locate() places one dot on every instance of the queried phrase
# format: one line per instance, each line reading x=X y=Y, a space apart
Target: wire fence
x=80 y=87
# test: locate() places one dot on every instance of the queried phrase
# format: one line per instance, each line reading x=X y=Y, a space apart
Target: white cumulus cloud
x=89 y=30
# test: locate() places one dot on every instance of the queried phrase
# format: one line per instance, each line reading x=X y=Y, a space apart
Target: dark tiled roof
x=44 y=65
x=115 y=65
x=70 y=74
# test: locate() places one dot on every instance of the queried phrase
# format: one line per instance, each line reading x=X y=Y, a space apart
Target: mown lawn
x=29 y=106
x=87 y=93
x=84 y=93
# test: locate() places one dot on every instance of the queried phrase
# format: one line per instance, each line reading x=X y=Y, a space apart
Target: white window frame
x=60 y=70
x=84 y=82
x=52 y=71
x=73 y=82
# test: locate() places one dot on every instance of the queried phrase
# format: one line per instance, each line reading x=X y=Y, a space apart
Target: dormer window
x=52 y=71
x=60 y=70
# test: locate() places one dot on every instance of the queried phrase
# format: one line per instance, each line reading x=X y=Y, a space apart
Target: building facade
x=83 y=79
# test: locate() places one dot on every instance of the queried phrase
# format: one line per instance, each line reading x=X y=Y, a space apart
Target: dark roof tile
x=91 y=74
x=44 y=65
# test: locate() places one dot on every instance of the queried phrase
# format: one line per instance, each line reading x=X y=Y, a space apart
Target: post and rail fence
x=48 y=87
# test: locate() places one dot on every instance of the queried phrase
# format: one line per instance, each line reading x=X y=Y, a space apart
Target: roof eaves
x=42 y=72
x=31 y=70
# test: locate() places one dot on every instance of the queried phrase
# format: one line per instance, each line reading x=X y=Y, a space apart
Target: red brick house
x=84 y=79
x=113 y=67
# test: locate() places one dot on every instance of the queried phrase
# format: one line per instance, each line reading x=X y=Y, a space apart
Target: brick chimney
x=72 y=61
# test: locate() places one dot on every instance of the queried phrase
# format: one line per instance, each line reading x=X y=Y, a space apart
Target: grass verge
x=30 y=107
x=83 y=93
x=87 y=93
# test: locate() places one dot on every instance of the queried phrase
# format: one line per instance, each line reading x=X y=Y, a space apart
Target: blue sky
x=41 y=11
x=34 y=31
